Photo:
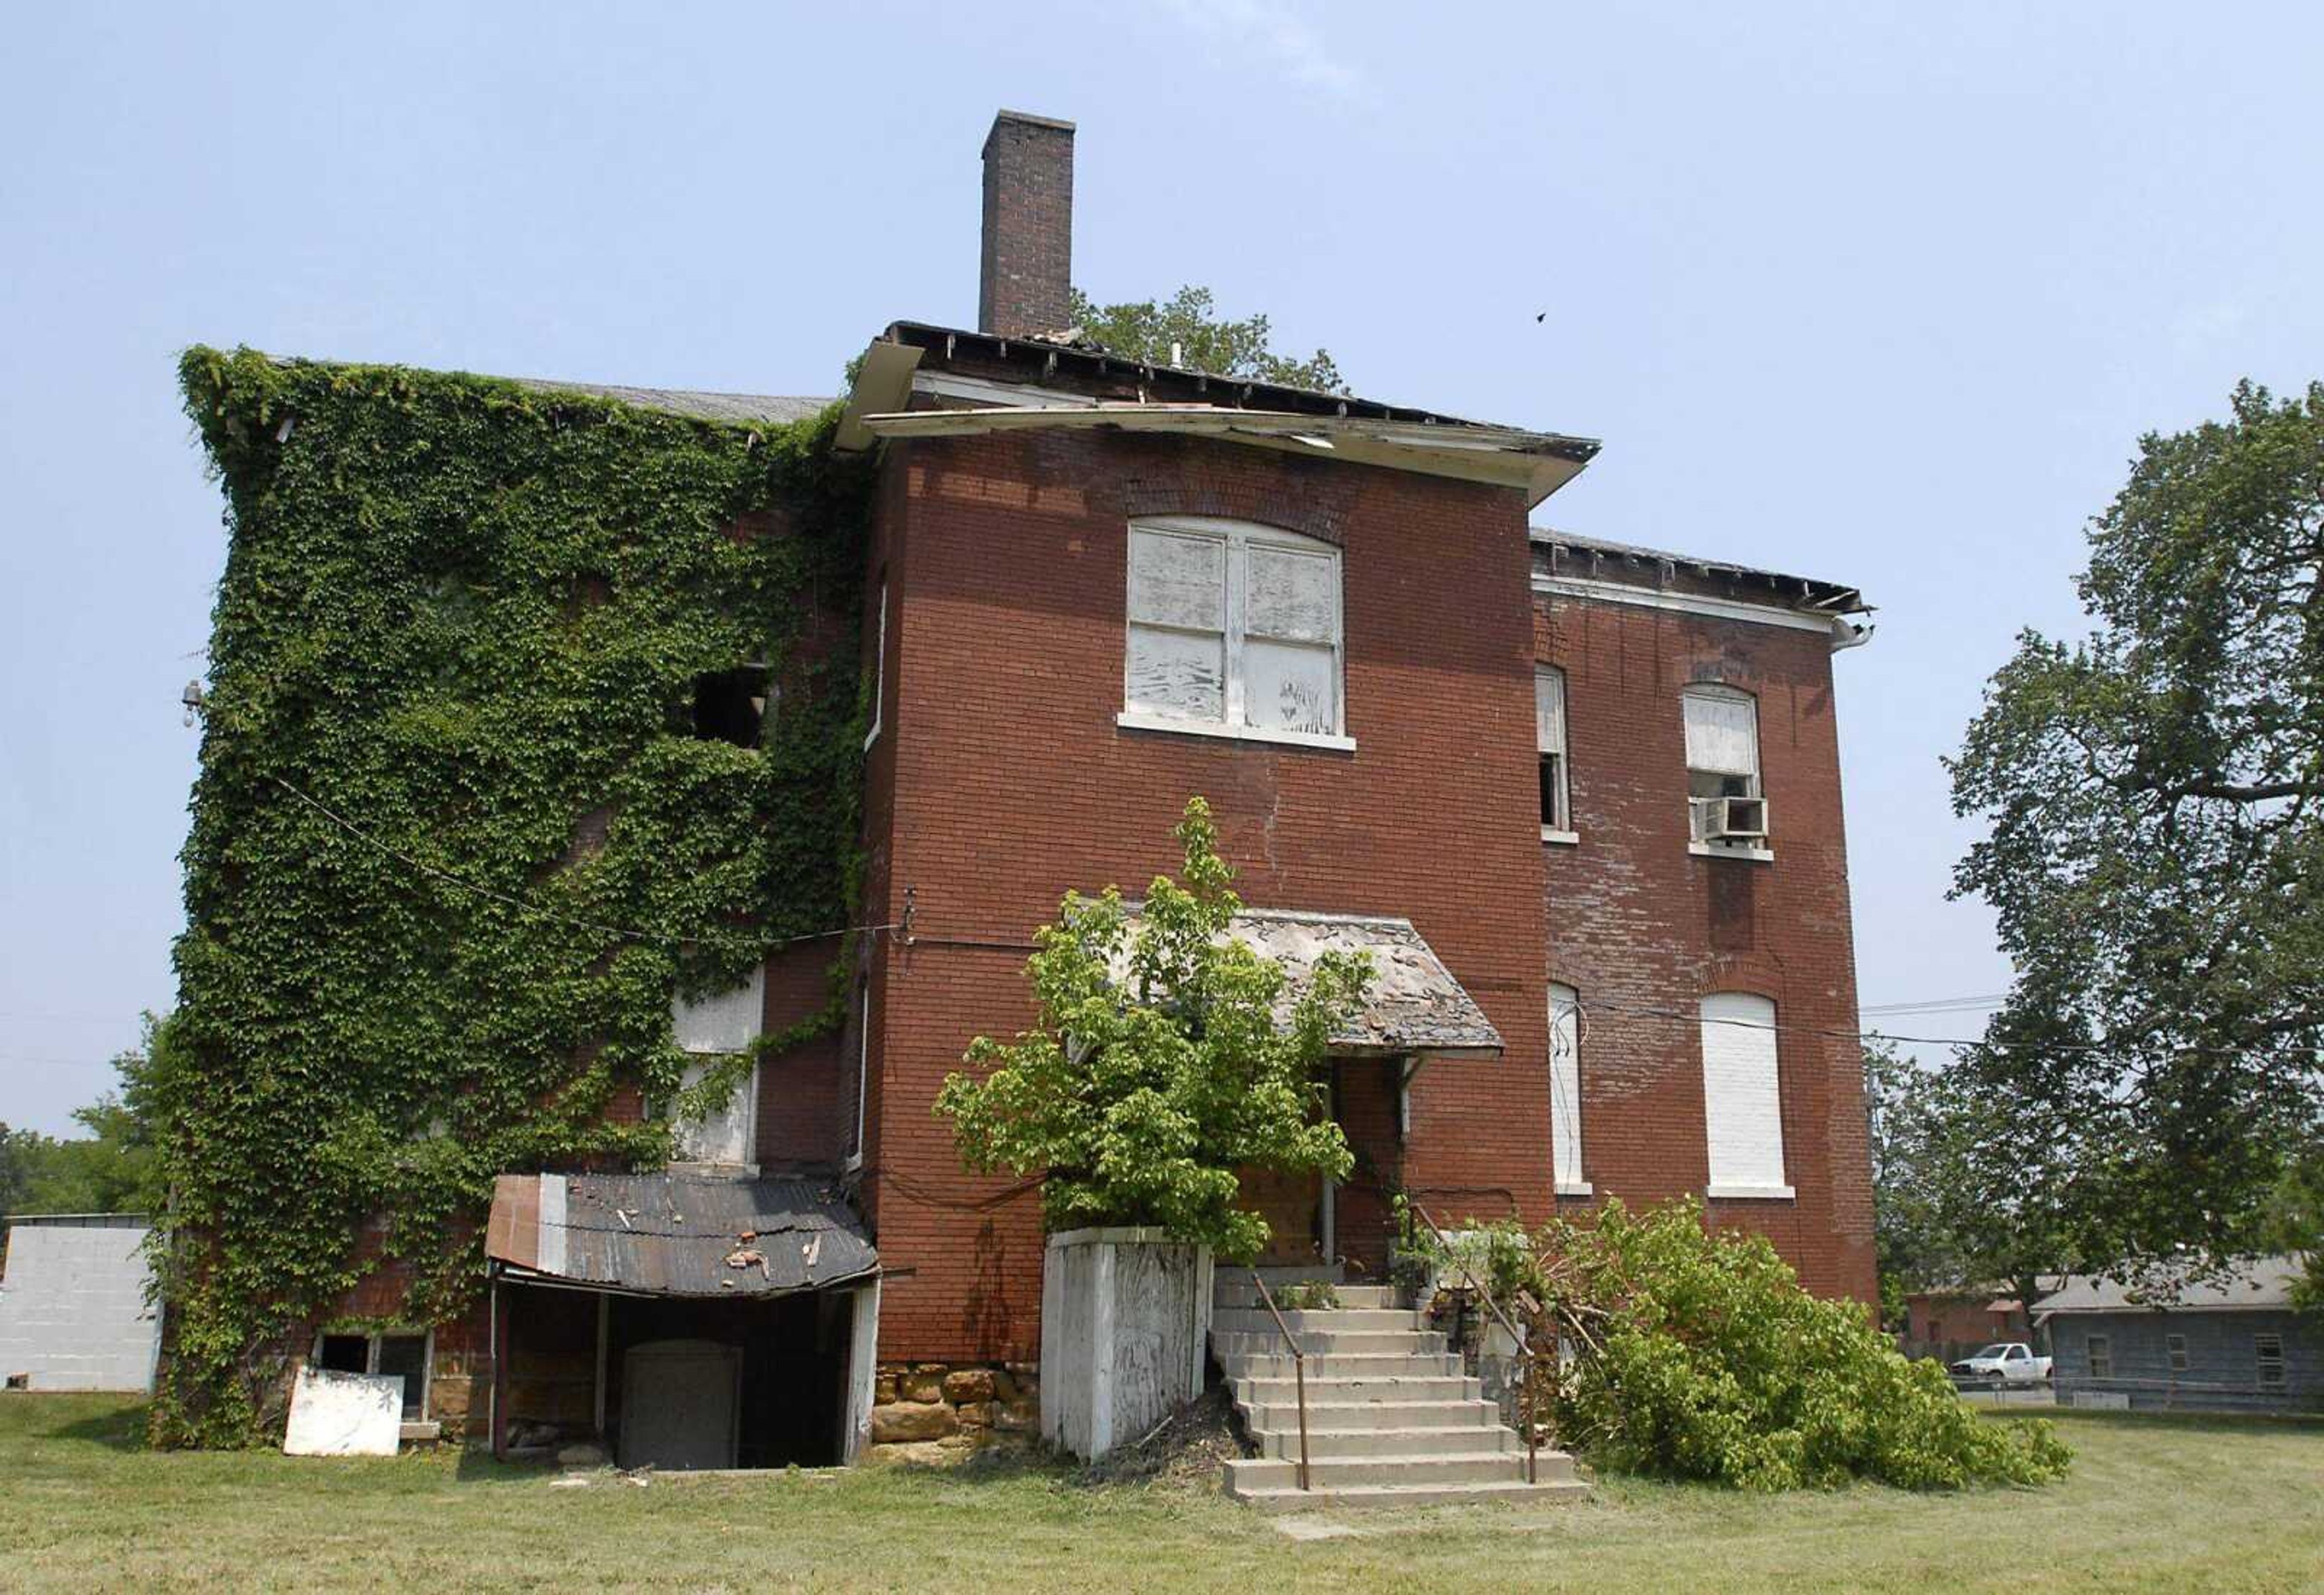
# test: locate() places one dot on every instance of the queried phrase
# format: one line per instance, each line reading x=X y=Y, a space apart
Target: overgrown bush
x=1695 y=1354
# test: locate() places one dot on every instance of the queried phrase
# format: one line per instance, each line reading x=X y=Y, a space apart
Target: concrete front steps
x=1392 y=1418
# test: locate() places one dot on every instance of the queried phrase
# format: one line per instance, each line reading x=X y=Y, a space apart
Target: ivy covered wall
x=458 y=842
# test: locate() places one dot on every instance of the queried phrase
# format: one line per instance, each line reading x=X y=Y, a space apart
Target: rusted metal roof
x=678 y=1234
x=1413 y=1005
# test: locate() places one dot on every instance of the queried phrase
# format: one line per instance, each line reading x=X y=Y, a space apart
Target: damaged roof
x=1570 y=553
x=1413 y=1005
x=744 y=408
x=678 y=1234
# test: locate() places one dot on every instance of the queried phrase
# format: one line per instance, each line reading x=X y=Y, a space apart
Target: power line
x=1957 y=1043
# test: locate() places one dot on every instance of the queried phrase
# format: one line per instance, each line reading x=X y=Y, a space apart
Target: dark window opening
x=406 y=1354
x=2101 y=1352
x=346 y=1353
x=2270 y=1348
x=1552 y=792
x=733 y=706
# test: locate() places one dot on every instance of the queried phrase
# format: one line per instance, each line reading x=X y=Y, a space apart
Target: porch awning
x=1413 y=1005
x=677 y=1235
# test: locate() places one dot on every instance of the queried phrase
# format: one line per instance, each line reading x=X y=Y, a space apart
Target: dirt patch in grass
x=1189 y=1450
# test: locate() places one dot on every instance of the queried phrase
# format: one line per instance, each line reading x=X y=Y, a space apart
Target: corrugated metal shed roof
x=679 y=1235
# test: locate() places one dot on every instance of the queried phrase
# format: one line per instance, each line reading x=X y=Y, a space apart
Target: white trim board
x=1725 y=609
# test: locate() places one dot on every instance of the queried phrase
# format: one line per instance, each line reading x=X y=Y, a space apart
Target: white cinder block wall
x=73 y=1313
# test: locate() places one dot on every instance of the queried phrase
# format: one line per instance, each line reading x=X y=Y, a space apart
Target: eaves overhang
x=1538 y=463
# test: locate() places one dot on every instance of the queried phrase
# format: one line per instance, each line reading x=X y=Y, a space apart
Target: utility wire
x=1676 y=1017
x=425 y=868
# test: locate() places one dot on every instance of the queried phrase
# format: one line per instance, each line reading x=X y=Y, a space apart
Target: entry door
x=680 y=1404
x=1293 y=1206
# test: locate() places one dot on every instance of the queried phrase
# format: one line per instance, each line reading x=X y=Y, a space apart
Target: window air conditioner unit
x=1734 y=819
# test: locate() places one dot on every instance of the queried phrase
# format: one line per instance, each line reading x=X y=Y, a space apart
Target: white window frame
x=2270 y=1362
x=1238 y=538
x=1737 y=1027
x=372 y=1337
x=1754 y=778
x=710 y=1029
x=862 y=1070
x=879 y=665
x=1554 y=738
x=1566 y=1091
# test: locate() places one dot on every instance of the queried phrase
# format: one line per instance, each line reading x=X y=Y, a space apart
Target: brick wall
x=1639 y=926
x=1006 y=782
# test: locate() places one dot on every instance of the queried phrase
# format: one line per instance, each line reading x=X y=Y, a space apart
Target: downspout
x=1847 y=634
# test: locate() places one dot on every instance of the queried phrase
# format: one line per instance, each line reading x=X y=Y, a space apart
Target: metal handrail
x=1299 y=1368
x=1525 y=1350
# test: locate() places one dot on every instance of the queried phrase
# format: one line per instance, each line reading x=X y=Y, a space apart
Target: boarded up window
x=1741 y=1100
x=1234 y=625
x=711 y=1027
x=1565 y=1087
x=1722 y=733
x=1177 y=625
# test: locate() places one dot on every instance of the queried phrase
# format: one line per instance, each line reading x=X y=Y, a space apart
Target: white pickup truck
x=2004 y=1363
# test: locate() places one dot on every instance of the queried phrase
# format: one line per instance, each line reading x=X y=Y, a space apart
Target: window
x=1726 y=810
x=1549 y=738
x=2099 y=1350
x=2270 y=1348
x=1233 y=629
x=879 y=665
x=1566 y=1091
x=712 y=1029
x=2176 y=1345
x=862 y=1070
x=1742 y=1103
x=405 y=1353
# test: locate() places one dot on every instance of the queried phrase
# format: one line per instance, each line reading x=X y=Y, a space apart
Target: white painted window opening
x=712 y=1030
x=1726 y=812
x=2269 y=1350
x=879 y=665
x=862 y=1070
x=411 y=1352
x=2099 y=1350
x=1549 y=741
x=1233 y=629
x=1566 y=1091
x=1742 y=1098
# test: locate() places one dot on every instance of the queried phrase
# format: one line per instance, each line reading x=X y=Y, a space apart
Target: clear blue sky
x=1880 y=293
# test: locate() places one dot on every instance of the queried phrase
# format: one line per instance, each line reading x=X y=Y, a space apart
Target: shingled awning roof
x=1413 y=1005
x=679 y=1235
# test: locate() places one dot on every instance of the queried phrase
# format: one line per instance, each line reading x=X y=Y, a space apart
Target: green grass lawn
x=2152 y=1504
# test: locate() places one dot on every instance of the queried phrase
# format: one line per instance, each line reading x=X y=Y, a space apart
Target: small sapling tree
x=1166 y=1056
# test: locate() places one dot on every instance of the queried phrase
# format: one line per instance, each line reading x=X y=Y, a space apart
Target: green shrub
x=1696 y=1355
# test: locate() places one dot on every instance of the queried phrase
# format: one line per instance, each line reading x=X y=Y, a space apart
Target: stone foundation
x=920 y=1410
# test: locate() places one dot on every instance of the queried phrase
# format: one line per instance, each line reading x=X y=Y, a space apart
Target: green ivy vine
x=455 y=844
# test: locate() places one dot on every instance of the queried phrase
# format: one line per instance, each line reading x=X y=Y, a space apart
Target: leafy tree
x=114 y=1168
x=1166 y=1056
x=1146 y=330
x=2154 y=794
x=1970 y=1184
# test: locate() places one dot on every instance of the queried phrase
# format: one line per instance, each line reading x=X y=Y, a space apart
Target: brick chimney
x=1028 y=226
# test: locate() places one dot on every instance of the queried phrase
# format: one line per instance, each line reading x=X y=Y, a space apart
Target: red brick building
x=1599 y=784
